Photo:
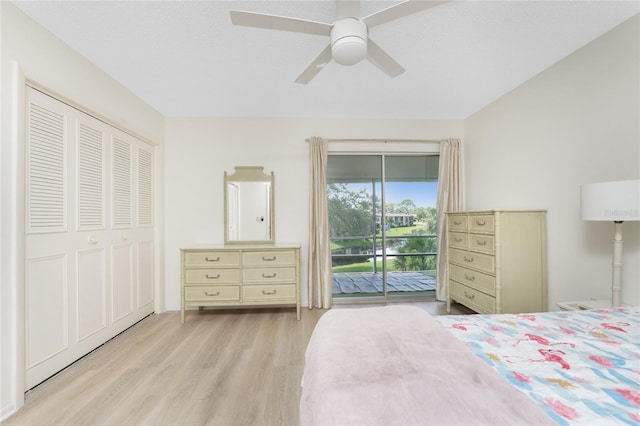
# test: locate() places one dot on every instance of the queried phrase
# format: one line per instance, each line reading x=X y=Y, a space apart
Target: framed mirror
x=248 y=206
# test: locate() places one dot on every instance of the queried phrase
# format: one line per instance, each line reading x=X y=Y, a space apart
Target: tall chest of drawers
x=497 y=261
x=238 y=275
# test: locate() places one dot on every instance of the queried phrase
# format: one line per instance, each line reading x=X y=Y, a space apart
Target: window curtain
x=319 y=278
x=449 y=200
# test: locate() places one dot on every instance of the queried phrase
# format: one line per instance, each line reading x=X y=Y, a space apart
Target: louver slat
x=90 y=178
x=121 y=184
x=46 y=171
x=145 y=188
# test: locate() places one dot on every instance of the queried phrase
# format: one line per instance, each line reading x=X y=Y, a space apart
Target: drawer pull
x=469 y=278
x=268 y=259
x=217 y=259
x=481 y=243
x=469 y=296
x=481 y=222
x=269 y=293
x=457 y=222
x=214 y=277
x=468 y=259
x=269 y=275
x=457 y=240
x=217 y=293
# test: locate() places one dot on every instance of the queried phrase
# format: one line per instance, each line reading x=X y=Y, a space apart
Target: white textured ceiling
x=185 y=58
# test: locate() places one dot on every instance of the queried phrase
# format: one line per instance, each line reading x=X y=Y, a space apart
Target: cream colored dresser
x=497 y=261
x=240 y=275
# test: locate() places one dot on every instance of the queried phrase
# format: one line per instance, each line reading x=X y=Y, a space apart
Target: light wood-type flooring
x=222 y=367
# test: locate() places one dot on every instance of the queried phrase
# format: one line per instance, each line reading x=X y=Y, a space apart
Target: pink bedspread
x=582 y=367
x=396 y=365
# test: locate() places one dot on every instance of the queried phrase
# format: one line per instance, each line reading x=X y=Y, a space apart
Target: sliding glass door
x=382 y=224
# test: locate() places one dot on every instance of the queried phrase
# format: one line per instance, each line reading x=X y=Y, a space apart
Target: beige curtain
x=319 y=279
x=449 y=200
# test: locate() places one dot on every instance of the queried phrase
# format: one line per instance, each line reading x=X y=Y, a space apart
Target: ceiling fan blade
x=314 y=68
x=382 y=60
x=400 y=10
x=281 y=23
x=347 y=9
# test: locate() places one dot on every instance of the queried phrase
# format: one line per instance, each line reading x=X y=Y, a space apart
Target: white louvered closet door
x=89 y=262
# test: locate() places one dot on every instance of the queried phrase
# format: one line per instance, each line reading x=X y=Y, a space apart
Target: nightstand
x=585 y=304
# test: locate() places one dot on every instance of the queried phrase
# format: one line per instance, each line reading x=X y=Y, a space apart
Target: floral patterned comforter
x=582 y=367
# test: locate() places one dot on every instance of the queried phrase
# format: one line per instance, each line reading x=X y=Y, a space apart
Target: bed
x=399 y=365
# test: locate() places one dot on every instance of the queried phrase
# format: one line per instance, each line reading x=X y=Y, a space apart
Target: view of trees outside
x=356 y=232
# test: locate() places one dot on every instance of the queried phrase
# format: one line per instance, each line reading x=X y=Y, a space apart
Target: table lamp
x=612 y=202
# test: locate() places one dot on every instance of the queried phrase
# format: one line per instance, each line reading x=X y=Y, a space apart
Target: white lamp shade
x=611 y=201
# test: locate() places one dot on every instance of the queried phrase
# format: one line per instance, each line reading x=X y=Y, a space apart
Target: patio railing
x=367 y=250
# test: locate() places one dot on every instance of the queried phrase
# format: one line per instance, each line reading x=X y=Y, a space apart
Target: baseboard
x=7 y=411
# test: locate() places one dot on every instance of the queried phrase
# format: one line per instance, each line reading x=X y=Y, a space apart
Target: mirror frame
x=249 y=174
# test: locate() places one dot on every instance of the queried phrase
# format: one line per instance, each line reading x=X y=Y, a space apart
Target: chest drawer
x=483 y=243
x=212 y=259
x=482 y=223
x=459 y=240
x=483 y=262
x=457 y=223
x=212 y=293
x=212 y=276
x=478 y=280
x=477 y=300
x=268 y=258
x=265 y=275
x=260 y=293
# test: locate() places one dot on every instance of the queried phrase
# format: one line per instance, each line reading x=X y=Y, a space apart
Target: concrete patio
x=365 y=282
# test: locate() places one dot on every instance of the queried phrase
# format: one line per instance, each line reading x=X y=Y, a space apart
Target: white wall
x=30 y=53
x=577 y=122
x=199 y=151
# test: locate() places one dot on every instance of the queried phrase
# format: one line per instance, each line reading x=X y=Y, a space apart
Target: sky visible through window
x=423 y=194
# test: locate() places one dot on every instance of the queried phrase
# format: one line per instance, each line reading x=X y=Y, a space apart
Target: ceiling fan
x=349 y=35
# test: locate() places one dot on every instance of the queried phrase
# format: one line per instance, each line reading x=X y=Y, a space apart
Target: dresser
x=240 y=275
x=497 y=261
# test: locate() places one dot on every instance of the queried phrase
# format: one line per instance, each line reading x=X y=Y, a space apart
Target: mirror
x=248 y=206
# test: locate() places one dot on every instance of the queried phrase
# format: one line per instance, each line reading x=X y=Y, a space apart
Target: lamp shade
x=611 y=201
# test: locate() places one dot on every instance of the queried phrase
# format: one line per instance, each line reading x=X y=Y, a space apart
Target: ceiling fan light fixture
x=349 y=41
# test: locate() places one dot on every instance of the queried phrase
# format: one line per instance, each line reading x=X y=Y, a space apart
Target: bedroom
x=574 y=123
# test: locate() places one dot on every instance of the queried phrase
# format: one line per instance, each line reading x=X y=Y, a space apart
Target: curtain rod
x=381 y=140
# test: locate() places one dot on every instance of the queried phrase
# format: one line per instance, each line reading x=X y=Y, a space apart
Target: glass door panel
x=382 y=224
x=354 y=186
x=410 y=188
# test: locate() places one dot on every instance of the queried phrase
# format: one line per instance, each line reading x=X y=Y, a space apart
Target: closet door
x=122 y=211
x=145 y=247
x=49 y=246
x=87 y=258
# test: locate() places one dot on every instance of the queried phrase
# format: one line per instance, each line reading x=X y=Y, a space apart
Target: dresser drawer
x=459 y=240
x=212 y=293
x=212 y=259
x=266 y=275
x=483 y=243
x=269 y=258
x=483 y=262
x=478 y=280
x=475 y=299
x=261 y=293
x=457 y=222
x=212 y=276
x=481 y=223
